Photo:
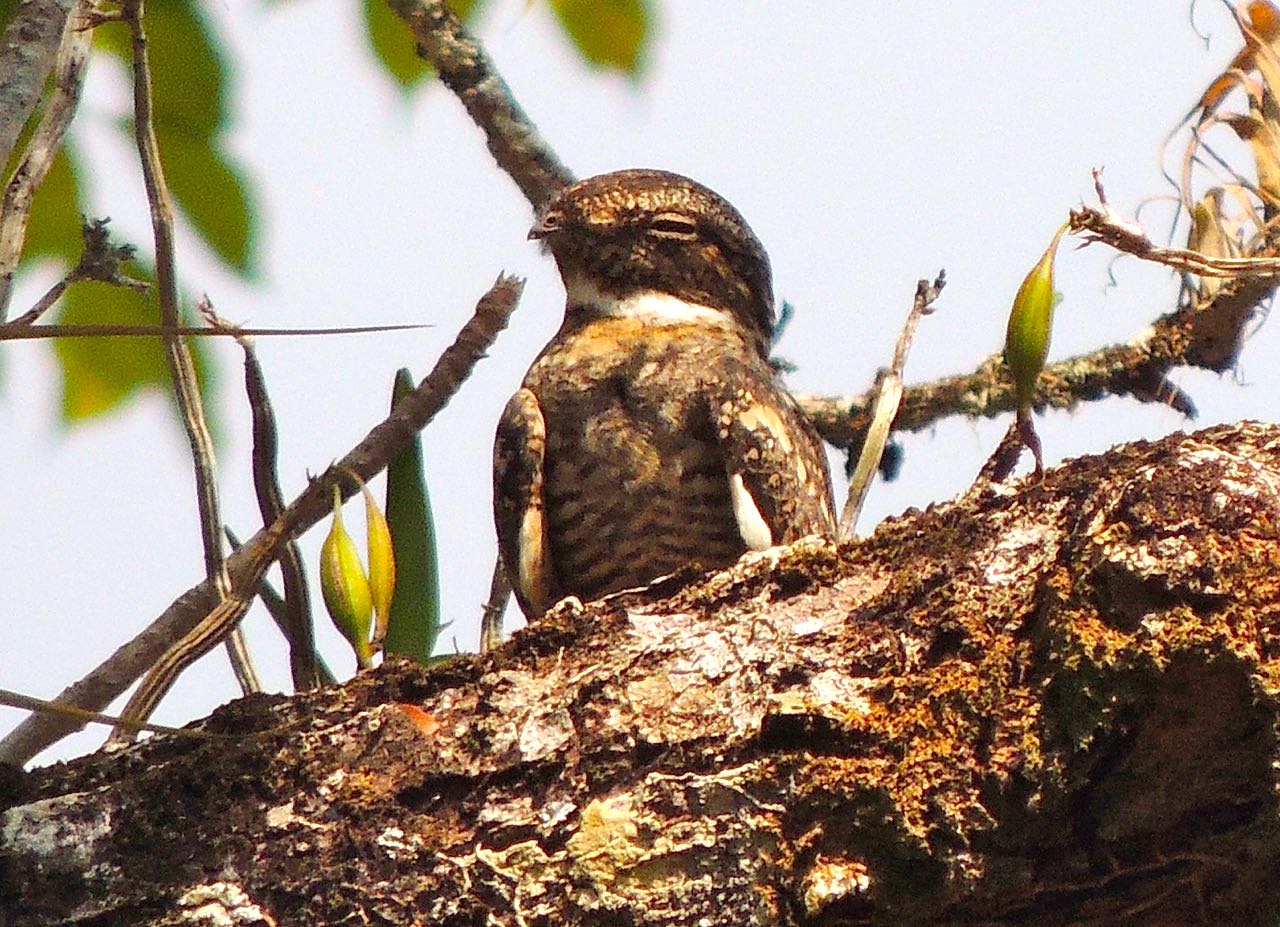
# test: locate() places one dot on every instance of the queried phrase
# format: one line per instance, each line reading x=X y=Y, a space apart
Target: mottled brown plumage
x=650 y=433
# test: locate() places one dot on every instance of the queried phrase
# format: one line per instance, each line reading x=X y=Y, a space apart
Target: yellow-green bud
x=1026 y=343
x=345 y=587
x=382 y=563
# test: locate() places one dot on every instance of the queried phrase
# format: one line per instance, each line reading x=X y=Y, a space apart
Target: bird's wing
x=778 y=477
x=518 y=472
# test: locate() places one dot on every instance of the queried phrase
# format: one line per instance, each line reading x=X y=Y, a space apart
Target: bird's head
x=658 y=246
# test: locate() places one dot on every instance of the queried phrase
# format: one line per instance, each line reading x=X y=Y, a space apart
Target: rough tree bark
x=1054 y=703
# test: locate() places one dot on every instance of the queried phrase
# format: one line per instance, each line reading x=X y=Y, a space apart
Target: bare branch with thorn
x=247 y=564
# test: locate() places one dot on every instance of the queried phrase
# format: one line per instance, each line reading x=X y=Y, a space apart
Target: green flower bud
x=1026 y=343
x=382 y=563
x=345 y=587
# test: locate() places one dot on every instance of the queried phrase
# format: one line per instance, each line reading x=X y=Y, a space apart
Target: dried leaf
x=1208 y=236
x=1263 y=143
x=1263 y=29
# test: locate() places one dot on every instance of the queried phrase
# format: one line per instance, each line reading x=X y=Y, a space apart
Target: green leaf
x=212 y=193
x=190 y=107
x=188 y=74
x=98 y=374
x=101 y=373
x=608 y=33
x=54 y=229
x=415 y=610
x=393 y=44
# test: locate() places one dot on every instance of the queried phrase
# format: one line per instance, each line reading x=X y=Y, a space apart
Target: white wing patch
x=751 y=524
x=532 y=566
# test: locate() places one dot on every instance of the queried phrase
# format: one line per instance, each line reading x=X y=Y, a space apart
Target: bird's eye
x=673 y=225
x=549 y=223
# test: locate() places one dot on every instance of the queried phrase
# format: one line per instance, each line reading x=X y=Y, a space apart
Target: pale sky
x=866 y=146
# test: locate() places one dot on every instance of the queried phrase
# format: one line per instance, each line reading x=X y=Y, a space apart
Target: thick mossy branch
x=1050 y=706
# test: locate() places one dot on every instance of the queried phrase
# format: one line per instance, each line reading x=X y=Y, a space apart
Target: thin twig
x=464 y=67
x=19 y=331
x=1108 y=227
x=182 y=368
x=247 y=564
x=275 y=606
x=30 y=703
x=15 y=212
x=886 y=407
x=494 y=607
x=100 y=260
x=299 y=631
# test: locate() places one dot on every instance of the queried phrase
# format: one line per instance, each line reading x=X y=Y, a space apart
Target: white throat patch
x=652 y=306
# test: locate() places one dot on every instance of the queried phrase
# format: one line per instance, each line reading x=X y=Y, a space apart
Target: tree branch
x=1209 y=338
x=15 y=212
x=464 y=67
x=27 y=52
x=1052 y=706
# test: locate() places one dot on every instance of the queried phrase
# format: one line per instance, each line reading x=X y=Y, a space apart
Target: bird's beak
x=549 y=222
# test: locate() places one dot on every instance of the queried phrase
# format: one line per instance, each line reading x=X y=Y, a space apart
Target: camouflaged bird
x=650 y=433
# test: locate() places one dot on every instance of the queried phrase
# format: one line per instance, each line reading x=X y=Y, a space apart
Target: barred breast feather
x=633 y=451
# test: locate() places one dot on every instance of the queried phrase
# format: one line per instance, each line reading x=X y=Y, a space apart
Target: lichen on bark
x=1052 y=703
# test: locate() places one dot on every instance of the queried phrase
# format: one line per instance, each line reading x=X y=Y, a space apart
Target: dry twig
x=494 y=608
x=298 y=627
x=1106 y=226
x=100 y=260
x=181 y=366
x=19 y=330
x=13 y=699
x=886 y=407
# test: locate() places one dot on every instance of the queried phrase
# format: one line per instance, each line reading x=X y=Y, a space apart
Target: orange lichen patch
x=422 y=720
